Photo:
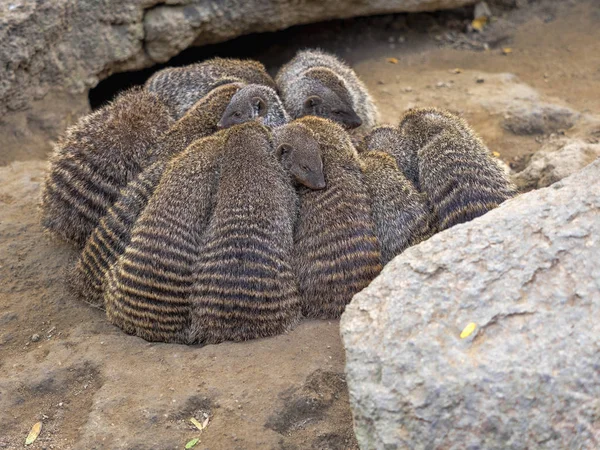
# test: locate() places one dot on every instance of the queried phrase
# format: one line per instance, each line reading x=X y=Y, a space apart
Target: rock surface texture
x=528 y=275
x=55 y=51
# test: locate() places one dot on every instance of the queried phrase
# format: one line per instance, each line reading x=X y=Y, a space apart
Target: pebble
x=35 y=337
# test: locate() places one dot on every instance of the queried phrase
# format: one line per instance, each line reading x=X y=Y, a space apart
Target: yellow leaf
x=197 y=424
x=496 y=154
x=468 y=330
x=506 y=50
x=392 y=60
x=457 y=70
x=34 y=433
x=479 y=23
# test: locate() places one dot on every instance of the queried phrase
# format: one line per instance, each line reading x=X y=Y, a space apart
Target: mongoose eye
x=305 y=168
x=237 y=114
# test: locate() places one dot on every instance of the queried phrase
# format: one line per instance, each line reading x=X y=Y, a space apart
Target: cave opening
x=351 y=39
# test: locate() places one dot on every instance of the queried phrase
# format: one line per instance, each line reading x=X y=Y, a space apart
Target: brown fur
x=300 y=155
x=336 y=252
x=96 y=158
x=320 y=84
x=110 y=238
x=456 y=170
x=245 y=287
x=401 y=214
x=148 y=288
x=181 y=87
x=389 y=139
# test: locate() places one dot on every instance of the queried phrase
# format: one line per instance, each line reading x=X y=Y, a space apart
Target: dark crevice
x=275 y=48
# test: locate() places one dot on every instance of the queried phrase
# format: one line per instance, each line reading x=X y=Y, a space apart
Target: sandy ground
x=93 y=387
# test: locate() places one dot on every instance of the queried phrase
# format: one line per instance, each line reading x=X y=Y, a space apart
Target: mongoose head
x=300 y=155
x=384 y=138
x=254 y=102
x=324 y=95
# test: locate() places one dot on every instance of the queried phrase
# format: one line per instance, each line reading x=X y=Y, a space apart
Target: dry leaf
x=479 y=23
x=457 y=70
x=506 y=50
x=468 y=331
x=496 y=154
x=197 y=424
x=34 y=433
x=192 y=443
x=205 y=423
x=392 y=60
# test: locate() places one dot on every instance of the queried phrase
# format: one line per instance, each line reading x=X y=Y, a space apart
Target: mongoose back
x=245 y=287
x=147 y=290
x=320 y=84
x=401 y=214
x=96 y=158
x=110 y=238
x=299 y=153
x=336 y=252
x=181 y=87
x=456 y=170
x=255 y=102
x=389 y=139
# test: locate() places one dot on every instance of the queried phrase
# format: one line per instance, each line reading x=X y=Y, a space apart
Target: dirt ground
x=94 y=387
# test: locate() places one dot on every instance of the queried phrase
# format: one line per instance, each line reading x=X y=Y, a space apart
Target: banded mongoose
x=181 y=87
x=456 y=170
x=96 y=158
x=402 y=215
x=147 y=290
x=245 y=287
x=299 y=153
x=110 y=238
x=389 y=139
x=336 y=252
x=320 y=84
x=255 y=102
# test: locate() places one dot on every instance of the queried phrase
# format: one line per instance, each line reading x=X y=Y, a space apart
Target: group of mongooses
x=216 y=203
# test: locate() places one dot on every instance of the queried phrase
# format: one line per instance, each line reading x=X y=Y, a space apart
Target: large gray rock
x=58 y=48
x=528 y=275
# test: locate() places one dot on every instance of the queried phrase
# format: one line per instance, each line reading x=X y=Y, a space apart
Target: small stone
x=35 y=338
x=408 y=89
x=480 y=80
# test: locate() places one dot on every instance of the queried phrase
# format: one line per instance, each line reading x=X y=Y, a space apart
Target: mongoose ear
x=282 y=150
x=313 y=101
x=259 y=106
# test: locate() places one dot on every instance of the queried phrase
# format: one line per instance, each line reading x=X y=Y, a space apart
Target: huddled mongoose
x=110 y=238
x=96 y=158
x=181 y=87
x=402 y=215
x=319 y=84
x=255 y=102
x=336 y=251
x=245 y=287
x=299 y=153
x=147 y=290
x=456 y=170
x=389 y=139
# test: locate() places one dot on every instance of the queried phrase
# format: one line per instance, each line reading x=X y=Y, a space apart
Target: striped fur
x=456 y=170
x=96 y=158
x=336 y=252
x=148 y=288
x=181 y=87
x=110 y=238
x=245 y=287
x=314 y=72
x=389 y=139
x=402 y=215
